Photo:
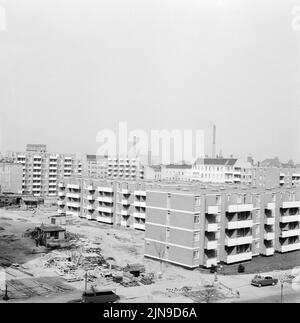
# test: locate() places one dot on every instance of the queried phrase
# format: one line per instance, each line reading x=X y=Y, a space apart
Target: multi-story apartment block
x=43 y=170
x=107 y=201
x=222 y=170
x=95 y=166
x=275 y=176
x=190 y=224
x=125 y=168
x=10 y=177
x=205 y=227
x=176 y=172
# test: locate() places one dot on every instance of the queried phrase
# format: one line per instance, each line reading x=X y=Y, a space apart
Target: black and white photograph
x=149 y=154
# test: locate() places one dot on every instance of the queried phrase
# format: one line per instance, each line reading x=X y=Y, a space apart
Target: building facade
x=204 y=228
x=11 y=175
x=42 y=170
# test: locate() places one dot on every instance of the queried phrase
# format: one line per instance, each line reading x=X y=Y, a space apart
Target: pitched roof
x=216 y=161
x=181 y=166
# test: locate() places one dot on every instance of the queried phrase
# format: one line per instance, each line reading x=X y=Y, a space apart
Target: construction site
x=42 y=262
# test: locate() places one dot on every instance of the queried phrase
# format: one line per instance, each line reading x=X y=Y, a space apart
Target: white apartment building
x=222 y=170
x=42 y=170
x=125 y=168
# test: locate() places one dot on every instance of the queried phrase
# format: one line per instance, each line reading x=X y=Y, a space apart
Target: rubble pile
x=85 y=261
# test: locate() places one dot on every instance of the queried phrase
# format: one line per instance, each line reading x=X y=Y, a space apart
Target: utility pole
x=281 y=293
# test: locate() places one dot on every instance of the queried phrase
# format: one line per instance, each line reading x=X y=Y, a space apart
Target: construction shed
x=49 y=235
x=31 y=202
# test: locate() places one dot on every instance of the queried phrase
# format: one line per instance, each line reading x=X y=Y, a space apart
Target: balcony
x=289 y=233
x=90 y=188
x=230 y=242
x=125 y=191
x=106 y=189
x=139 y=204
x=125 y=213
x=73 y=186
x=269 y=235
x=289 y=247
x=61 y=203
x=238 y=257
x=105 y=219
x=291 y=204
x=105 y=209
x=208 y=262
x=90 y=197
x=270 y=206
x=213 y=209
x=61 y=185
x=139 y=226
x=240 y=208
x=141 y=193
x=211 y=244
x=73 y=204
x=125 y=202
x=139 y=215
x=270 y=221
x=290 y=218
x=106 y=199
x=73 y=195
x=89 y=207
x=211 y=227
x=269 y=251
x=239 y=224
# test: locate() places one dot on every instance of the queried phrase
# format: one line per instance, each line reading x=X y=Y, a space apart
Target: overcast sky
x=69 y=68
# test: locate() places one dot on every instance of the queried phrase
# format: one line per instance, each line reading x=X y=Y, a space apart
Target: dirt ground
x=30 y=281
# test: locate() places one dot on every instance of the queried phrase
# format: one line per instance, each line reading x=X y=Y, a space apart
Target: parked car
x=101 y=296
x=260 y=281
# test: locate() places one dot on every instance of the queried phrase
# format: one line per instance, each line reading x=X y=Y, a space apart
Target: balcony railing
x=291 y=204
x=269 y=235
x=211 y=227
x=289 y=247
x=238 y=224
x=290 y=218
x=233 y=208
x=238 y=257
x=105 y=219
x=290 y=233
x=238 y=241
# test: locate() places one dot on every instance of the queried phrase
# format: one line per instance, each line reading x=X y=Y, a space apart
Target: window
x=196 y=219
x=198 y=201
x=197 y=236
x=196 y=254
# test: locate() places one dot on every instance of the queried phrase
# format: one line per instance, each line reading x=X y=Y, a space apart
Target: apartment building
x=176 y=172
x=222 y=170
x=125 y=168
x=275 y=176
x=43 y=170
x=204 y=227
x=95 y=166
x=10 y=177
x=107 y=201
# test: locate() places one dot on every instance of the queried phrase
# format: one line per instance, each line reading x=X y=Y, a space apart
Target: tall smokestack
x=214 y=142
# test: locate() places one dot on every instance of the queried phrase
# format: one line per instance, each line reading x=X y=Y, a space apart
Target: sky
x=71 y=68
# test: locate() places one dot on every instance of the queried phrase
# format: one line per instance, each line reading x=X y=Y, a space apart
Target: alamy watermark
x=2 y=18
x=296 y=18
x=170 y=146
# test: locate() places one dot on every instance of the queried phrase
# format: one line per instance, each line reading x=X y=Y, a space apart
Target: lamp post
x=281 y=291
x=5 y=297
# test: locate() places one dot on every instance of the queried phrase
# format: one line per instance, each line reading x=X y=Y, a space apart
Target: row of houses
x=191 y=224
x=225 y=171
